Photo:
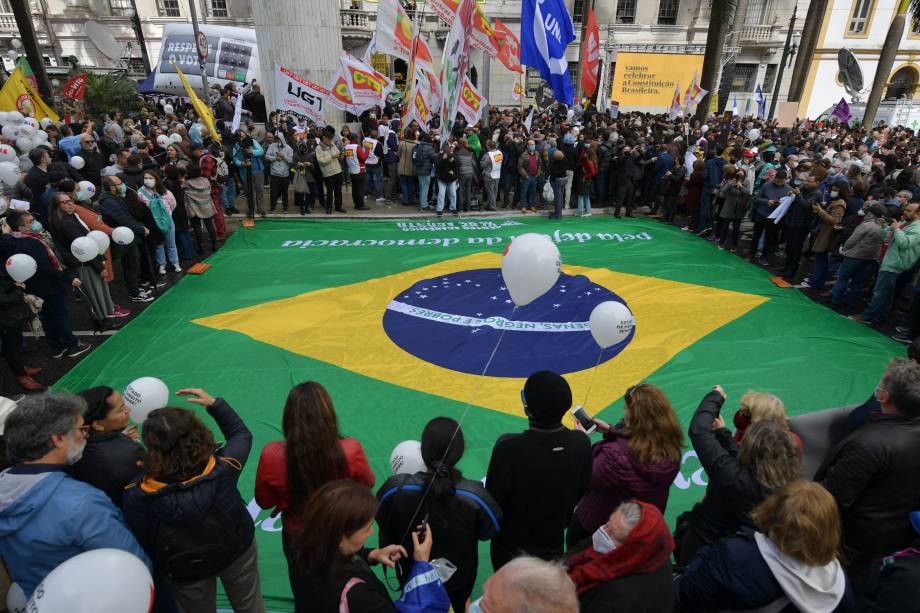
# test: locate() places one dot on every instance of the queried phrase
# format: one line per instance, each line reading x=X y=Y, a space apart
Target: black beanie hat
x=96 y=405
x=548 y=397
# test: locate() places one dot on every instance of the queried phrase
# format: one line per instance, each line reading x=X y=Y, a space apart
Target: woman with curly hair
x=186 y=510
x=636 y=460
x=740 y=477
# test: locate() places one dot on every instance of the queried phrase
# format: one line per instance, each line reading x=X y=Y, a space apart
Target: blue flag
x=546 y=30
x=761 y=102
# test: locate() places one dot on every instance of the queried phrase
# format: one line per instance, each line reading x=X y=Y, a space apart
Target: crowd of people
x=574 y=524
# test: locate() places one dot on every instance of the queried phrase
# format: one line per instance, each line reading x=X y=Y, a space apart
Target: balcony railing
x=357 y=20
x=757 y=33
x=8 y=23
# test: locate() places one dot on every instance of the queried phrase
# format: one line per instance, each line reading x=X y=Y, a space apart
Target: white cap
x=6 y=407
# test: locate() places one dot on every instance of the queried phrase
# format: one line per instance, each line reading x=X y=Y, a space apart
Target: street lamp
x=139 y=32
x=782 y=63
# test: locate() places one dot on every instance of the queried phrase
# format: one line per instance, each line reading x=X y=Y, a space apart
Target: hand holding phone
x=584 y=420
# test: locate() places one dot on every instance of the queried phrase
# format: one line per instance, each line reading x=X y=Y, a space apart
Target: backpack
x=192 y=552
x=223 y=171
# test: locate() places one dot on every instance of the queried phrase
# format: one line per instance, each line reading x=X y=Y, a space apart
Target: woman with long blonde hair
x=636 y=460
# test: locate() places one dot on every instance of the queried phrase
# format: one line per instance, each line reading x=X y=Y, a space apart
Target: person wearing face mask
x=799 y=219
x=113 y=457
x=115 y=213
x=901 y=246
x=50 y=282
x=627 y=567
x=860 y=254
x=530 y=168
x=47 y=517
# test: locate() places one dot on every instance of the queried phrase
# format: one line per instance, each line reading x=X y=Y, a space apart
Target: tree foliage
x=106 y=94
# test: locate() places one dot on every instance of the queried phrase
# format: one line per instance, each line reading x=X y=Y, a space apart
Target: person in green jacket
x=903 y=241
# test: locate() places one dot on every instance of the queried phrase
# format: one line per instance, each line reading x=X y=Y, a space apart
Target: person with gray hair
x=528 y=584
x=46 y=517
x=873 y=472
x=627 y=566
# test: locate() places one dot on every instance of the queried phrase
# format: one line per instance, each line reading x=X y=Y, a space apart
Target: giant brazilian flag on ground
x=398 y=319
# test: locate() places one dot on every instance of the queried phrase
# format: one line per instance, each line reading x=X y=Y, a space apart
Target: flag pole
x=202 y=66
x=410 y=73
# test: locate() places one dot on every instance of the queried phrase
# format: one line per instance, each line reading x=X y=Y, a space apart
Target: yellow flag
x=19 y=95
x=203 y=110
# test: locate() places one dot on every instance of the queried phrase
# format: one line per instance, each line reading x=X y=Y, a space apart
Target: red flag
x=509 y=47
x=75 y=89
x=591 y=54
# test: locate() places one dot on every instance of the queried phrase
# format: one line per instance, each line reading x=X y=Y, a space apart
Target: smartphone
x=423 y=530
x=584 y=419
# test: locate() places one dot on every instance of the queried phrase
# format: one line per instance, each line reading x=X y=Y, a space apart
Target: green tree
x=106 y=94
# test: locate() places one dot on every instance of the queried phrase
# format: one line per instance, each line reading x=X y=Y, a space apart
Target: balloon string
x=453 y=437
x=593 y=377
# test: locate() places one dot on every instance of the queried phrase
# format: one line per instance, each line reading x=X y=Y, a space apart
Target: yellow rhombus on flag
x=203 y=110
x=19 y=95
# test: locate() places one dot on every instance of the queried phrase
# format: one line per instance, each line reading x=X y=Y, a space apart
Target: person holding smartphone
x=636 y=460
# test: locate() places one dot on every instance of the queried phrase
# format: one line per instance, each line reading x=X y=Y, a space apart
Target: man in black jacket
x=539 y=475
x=873 y=472
x=115 y=212
x=37 y=178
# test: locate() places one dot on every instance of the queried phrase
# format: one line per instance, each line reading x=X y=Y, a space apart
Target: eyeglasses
x=84 y=430
x=634 y=388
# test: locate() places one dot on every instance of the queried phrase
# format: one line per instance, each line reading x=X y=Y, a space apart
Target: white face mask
x=74 y=453
x=602 y=542
x=476 y=606
x=834 y=194
x=151 y=183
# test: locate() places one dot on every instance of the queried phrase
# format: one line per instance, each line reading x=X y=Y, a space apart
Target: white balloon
x=31 y=122
x=753 y=134
x=84 y=248
x=123 y=235
x=40 y=137
x=77 y=162
x=84 y=584
x=100 y=238
x=407 y=458
x=162 y=140
x=3 y=116
x=704 y=128
x=168 y=109
x=87 y=187
x=16 y=599
x=145 y=395
x=9 y=131
x=9 y=173
x=20 y=267
x=15 y=117
x=8 y=154
x=25 y=144
x=175 y=138
x=16 y=43
x=530 y=267
x=611 y=323
x=12 y=54
x=45 y=122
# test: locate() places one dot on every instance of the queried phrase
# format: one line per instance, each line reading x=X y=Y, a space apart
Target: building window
x=860 y=18
x=578 y=10
x=533 y=81
x=169 y=8
x=626 y=11
x=756 y=13
x=743 y=77
x=769 y=78
x=573 y=72
x=120 y=8
x=667 y=12
x=219 y=8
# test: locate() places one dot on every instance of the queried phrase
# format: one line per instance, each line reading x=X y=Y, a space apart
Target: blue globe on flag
x=455 y=322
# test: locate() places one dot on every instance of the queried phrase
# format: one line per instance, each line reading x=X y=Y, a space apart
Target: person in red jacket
x=312 y=454
x=587 y=167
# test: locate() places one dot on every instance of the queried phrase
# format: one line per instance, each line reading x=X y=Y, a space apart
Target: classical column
x=305 y=37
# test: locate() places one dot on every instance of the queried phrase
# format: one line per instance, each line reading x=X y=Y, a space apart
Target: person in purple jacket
x=637 y=459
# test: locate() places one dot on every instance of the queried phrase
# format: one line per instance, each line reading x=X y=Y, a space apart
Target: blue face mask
x=36 y=226
x=122 y=189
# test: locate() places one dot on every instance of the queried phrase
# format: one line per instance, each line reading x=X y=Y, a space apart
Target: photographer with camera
x=248 y=157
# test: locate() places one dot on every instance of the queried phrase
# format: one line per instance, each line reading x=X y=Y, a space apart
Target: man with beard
x=46 y=517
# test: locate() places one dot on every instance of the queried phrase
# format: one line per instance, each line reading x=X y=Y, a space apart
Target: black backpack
x=192 y=552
